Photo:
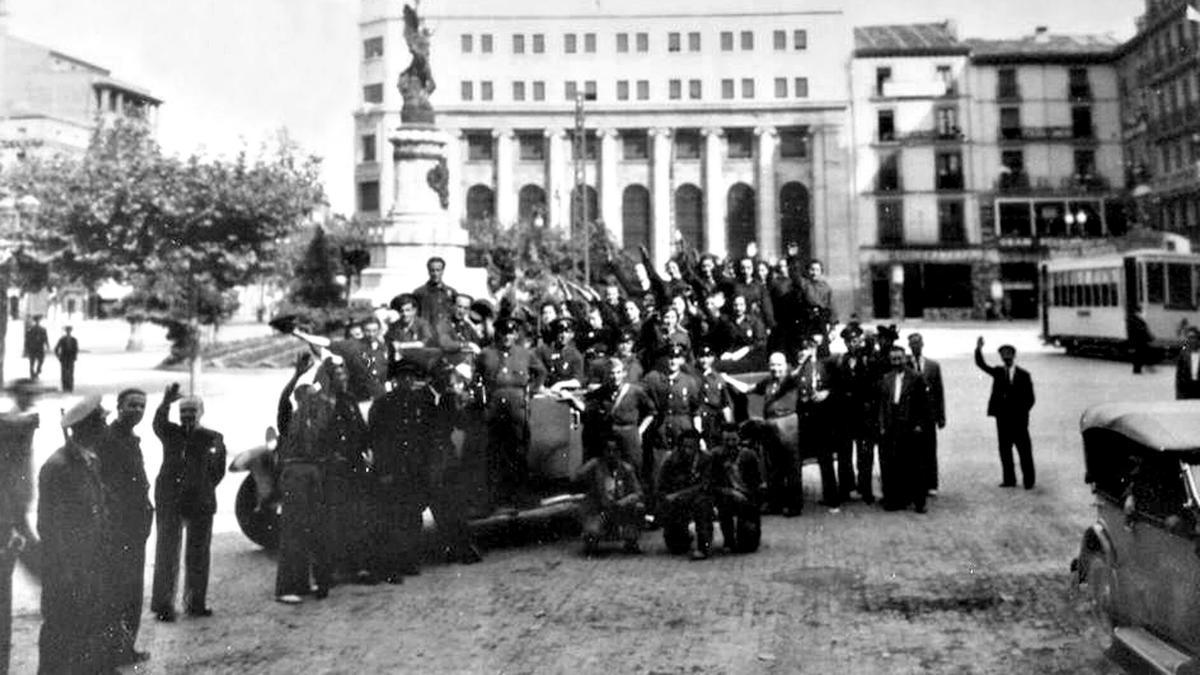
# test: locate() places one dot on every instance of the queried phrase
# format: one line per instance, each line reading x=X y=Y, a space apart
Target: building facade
x=720 y=125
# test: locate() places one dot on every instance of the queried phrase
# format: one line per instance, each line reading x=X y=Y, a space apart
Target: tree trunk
x=195 y=359
x=136 y=340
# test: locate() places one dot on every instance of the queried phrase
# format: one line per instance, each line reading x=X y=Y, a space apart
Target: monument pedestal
x=419 y=225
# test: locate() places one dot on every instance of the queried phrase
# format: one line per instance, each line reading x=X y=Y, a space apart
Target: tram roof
x=1115 y=259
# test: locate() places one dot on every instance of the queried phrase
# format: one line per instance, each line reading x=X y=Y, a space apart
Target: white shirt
x=1195 y=361
x=896 y=391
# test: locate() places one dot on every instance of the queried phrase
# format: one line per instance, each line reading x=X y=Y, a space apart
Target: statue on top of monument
x=416 y=82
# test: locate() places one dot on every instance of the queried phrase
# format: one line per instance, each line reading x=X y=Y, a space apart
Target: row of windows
x=946 y=124
x=1057 y=218
x=889 y=216
x=626 y=90
x=1078 y=84
x=635 y=144
x=948 y=172
x=574 y=43
x=1085 y=288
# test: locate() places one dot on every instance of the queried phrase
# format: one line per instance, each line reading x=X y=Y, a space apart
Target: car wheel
x=1101 y=583
x=261 y=526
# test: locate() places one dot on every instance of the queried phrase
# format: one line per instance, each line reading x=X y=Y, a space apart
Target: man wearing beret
x=1010 y=402
x=16 y=492
x=184 y=496
x=72 y=523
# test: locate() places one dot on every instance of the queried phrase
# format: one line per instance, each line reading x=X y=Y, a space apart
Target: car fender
x=1095 y=539
x=244 y=460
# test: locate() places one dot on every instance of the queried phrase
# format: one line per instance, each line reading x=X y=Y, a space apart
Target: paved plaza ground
x=979 y=585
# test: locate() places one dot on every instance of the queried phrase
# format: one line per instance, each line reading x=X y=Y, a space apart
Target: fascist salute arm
x=979 y=362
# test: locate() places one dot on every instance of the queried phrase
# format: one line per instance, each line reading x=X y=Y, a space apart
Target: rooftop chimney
x=1041 y=34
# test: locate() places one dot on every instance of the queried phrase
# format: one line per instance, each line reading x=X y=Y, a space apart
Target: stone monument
x=419 y=225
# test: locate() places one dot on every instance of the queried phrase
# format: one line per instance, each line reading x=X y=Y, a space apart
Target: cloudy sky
x=232 y=72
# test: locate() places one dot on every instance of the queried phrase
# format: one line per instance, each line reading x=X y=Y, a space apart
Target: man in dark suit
x=36 y=344
x=903 y=413
x=931 y=371
x=1187 y=367
x=1010 y=402
x=435 y=300
x=184 y=496
x=67 y=350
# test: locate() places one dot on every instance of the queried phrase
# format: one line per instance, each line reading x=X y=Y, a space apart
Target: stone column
x=660 y=196
x=768 y=217
x=818 y=194
x=455 y=156
x=558 y=183
x=714 y=193
x=610 y=191
x=506 y=192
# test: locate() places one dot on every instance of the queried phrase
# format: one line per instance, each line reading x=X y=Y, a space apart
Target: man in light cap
x=184 y=496
x=72 y=523
x=1010 y=402
x=16 y=492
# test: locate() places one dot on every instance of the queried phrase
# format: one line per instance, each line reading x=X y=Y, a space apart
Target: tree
x=315 y=282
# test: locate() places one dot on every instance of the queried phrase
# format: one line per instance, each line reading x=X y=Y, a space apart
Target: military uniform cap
x=851 y=331
x=80 y=411
x=562 y=324
x=677 y=351
x=508 y=325
x=705 y=350
x=889 y=331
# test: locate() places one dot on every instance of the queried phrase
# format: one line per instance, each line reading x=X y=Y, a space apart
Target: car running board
x=1154 y=652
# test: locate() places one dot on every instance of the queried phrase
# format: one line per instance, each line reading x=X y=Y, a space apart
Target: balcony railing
x=1008 y=94
x=889 y=184
x=1013 y=181
x=1081 y=92
x=1047 y=134
x=948 y=181
x=1019 y=181
x=1085 y=183
x=932 y=135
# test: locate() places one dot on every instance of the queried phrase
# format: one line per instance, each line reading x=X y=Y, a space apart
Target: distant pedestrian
x=1138 y=339
x=16 y=493
x=1010 y=402
x=36 y=344
x=1187 y=366
x=67 y=351
x=184 y=496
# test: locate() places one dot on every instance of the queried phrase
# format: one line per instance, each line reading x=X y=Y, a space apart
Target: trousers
x=171 y=524
x=302 y=537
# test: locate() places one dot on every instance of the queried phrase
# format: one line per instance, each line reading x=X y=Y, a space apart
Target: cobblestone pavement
x=979 y=585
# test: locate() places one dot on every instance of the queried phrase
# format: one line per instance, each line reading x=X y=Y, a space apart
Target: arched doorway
x=531 y=200
x=689 y=216
x=593 y=205
x=481 y=203
x=741 y=219
x=635 y=218
x=795 y=220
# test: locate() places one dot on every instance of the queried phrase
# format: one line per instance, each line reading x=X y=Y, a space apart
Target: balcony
x=1020 y=182
x=924 y=136
x=1013 y=181
x=888 y=185
x=1047 y=134
x=1184 y=177
x=948 y=181
x=1008 y=94
x=1085 y=183
x=1080 y=92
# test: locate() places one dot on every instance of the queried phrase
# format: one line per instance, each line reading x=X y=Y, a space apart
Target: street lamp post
x=15 y=214
x=580 y=151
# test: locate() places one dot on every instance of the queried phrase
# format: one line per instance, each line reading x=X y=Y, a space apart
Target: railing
x=932 y=135
x=1005 y=94
x=889 y=185
x=1179 y=178
x=1014 y=181
x=1081 y=92
x=1085 y=183
x=1066 y=133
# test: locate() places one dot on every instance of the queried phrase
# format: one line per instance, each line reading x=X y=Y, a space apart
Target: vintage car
x=1140 y=560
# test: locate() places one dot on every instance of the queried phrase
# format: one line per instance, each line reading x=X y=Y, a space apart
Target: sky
x=233 y=73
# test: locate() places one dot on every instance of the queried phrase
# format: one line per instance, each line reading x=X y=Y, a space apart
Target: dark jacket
x=912 y=410
x=1009 y=400
x=67 y=349
x=193 y=464
x=932 y=372
x=1186 y=386
x=123 y=473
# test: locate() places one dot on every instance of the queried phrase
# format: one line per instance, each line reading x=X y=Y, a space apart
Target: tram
x=1086 y=301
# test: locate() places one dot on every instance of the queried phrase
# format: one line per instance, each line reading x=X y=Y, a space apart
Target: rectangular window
x=727 y=90
x=1078 y=86
x=635 y=144
x=799 y=40
x=739 y=143
x=570 y=90
x=1085 y=164
x=888 y=178
x=643 y=42
x=747 y=40
x=693 y=42
x=951 y=227
x=589 y=90
x=673 y=42
x=887 y=126
x=1010 y=123
x=1081 y=122
x=747 y=87
x=890 y=216
x=485 y=90
x=643 y=90
x=793 y=142
x=949 y=171
x=539 y=43
x=1179 y=287
x=1015 y=219
x=779 y=39
x=687 y=144
x=1013 y=175
x=373 y=93
x=485 y=43
x=1156 y=291
x=368 y=148
x=622 y=43
x=518 y=44
x=479 y=146
x=468 y=90
x=781 y=87
x=694 y=90
x=622 y=90
x=518 y=91
x=947 y=123
x=1006 y=84
x=368 y=196
x=586 y=147
x=373 y=48
x=468 y=43
x=726 y=41
x=531 y=146
x=800 y=87
x=589 y=43
x=675 y=89
x=882 y=77
x=570 y=45
x=539 y=90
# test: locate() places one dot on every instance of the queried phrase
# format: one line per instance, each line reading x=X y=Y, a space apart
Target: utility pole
x=580 y=147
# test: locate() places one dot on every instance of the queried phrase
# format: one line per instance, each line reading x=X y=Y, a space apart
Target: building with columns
x=721 y=124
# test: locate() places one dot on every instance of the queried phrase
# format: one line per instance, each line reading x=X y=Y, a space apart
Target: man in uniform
x=508 y=370
x=685 y=482
x=563 y=362
x=931 y=371
x=409 y=331
x=780 y=392
x=123 y=473
x=373 y=357
x=852 y=400
x=716 y=408
x=72 y=522
x=617 y=409
x=184 y=496
x=435 y=300
x=614 y=504
x=348 y=487
x=676 y=396
x=16 y=492
x=459 y=339
x=67 y=351
x=737 y=493
x=813 y=413
x=36 y=344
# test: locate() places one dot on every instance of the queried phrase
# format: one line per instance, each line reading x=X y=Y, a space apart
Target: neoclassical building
x=721 y=124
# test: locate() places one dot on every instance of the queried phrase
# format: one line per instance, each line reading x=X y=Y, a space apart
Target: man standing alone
x=931 y=371
x=1011 y=400
x=67 y=350
x=36 y=344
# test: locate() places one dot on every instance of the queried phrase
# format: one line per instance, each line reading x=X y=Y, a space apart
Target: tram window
x=1179 y=286
x=1104 y=295
x=1089 y=295
x=1113 y=294
x=1155 y=291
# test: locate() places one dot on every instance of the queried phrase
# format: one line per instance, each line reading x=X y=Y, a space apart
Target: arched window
x=531 y=201
x=481 y=203
x=689 y=216
x=635 y=218
x=740 y=219
x=795 y=220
